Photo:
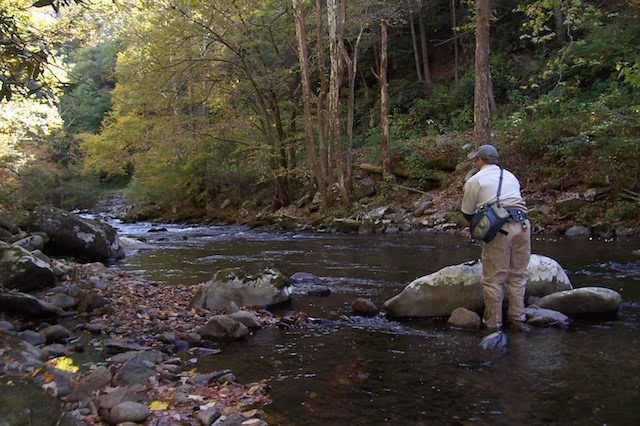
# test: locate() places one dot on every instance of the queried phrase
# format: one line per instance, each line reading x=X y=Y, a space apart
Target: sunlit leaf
x=64 y=363
x=158 y=406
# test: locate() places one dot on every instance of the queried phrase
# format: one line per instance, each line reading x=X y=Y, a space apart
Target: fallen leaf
x=48 y=377
x=158 y=406
x=250 y=413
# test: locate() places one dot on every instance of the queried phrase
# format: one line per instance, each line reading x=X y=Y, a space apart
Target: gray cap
x=487 y=153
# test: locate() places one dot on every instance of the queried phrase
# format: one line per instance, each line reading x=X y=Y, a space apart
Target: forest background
x=231 y=110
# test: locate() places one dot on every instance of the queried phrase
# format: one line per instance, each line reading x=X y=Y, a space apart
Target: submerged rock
x=494 y=340
x=541 y=317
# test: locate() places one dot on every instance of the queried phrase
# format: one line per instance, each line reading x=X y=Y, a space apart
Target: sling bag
x=488 y=221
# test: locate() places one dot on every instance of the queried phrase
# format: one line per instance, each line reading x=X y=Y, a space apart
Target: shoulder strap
x=499 y=186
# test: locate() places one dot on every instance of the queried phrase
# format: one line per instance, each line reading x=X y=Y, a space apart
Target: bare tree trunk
x=335 y=151
x=306 y=89
x=428 y=82
x=352 y=67
x=561 y=32
x=384 y=103
x=322 y=96
x=455 y=40
x=482 y=119
x=416 y=52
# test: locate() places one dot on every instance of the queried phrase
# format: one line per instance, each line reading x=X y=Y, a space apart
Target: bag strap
x=499 y=186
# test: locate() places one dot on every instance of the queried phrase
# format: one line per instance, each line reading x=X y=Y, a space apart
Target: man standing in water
x=505 y=258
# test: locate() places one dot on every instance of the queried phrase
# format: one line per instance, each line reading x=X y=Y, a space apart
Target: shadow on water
x=375 y=370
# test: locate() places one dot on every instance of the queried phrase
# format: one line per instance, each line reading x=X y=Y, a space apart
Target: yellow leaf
x=64 y=363
x=158 y=405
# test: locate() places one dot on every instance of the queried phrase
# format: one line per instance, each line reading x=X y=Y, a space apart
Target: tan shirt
x=482 y=188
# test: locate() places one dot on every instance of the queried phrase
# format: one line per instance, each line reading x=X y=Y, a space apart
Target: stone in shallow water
x=494 y=340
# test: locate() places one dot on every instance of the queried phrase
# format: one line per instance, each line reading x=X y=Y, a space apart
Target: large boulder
x=252 y=290
x=439 y=293
x=72 y=235
x=585 y=300
x=21 y=270
x=17 y=303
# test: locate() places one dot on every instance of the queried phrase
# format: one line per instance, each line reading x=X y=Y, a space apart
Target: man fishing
x=505 y=258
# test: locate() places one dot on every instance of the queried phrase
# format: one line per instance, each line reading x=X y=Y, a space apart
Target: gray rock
x=22 y=271
x=364 y=307
x=26 y=305
x=378 y=212
x=128 y=411
x=249 y=319
x=30 y=243
x=464 y=318
x=578 y=231
x=6 y=325
x=346 y=226
x=223 y=327
x=319 y=291
x=116 y=396
x=305 y=278
x=24 y=354
x=32 y=337
x=494 y=340
x=95 y=381
x=63 y=301
x=54 y=350
x=438 y=294
x=252 y=290
x=208 y=416
x=585 y=300
x=55 y=333
x=133 y=245
x=541 y=317
x=72 y=235
x=135 y=372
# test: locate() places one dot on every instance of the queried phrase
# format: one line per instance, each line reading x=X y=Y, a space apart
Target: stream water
x=357 y=370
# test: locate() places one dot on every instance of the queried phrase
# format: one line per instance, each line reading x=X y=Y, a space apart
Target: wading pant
x=504 y=261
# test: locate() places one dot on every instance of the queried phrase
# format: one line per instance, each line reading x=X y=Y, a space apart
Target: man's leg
x=495 y=269
x=520 y=254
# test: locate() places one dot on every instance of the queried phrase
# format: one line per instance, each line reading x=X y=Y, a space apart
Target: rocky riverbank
x=125 y=355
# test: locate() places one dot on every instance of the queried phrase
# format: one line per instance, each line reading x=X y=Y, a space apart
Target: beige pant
x=504 y=261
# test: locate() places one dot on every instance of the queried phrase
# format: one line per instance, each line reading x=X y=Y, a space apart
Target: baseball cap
x=487 y=153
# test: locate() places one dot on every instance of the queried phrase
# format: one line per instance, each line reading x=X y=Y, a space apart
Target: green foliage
x=445 y=107
x=83 y=108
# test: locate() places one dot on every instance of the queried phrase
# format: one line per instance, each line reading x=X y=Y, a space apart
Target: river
x=366 y=371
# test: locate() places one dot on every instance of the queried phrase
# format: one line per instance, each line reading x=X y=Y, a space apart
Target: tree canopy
x=192 y=102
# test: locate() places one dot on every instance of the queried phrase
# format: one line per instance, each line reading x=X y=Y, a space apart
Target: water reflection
x=358 y=370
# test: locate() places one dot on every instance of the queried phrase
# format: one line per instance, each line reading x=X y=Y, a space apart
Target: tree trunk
x=384 y=103
x=425 y=54
x=455 y=41
x=322 y=97
x=306 y=96
x=561 y=32
x=482 y=129
x=335 y=151
x=352 y=68
x=416 y=52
